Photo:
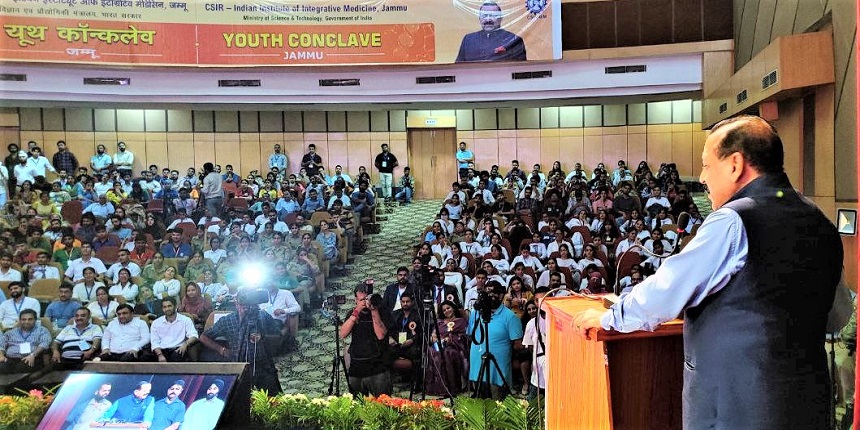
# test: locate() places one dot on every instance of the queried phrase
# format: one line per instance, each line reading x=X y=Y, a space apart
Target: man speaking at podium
x=755 y=285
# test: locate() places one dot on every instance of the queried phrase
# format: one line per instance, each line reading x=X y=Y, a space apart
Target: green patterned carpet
x=308 y=370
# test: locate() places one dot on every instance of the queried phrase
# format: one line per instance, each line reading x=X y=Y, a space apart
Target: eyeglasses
x=484 y=14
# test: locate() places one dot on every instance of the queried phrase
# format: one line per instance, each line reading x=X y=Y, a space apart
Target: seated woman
x=523 y=358
x=308 y=246
x=86 y=290
x=218 y=292
x=445 y=221
x=517 y=296
x=196 y=266
x=456 y=254
x=498 y=260
x=103 y=310
x=519 y=271
x=328 y=240
x=195 y=305
x=154 y=227
x=148 y=306
x=436 y=232
x=246 y=250
x=447 y=370
x=425 y=251
x=168 y=285
x=305 y=269
x=153 y=271
x=564 y=258
x=588 y=257
x=124 y=291
x=496 y=239
x=442 y=248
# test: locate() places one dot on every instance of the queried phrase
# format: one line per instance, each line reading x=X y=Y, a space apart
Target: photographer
x=368 y=350
x=505 y=332
x=244 y=330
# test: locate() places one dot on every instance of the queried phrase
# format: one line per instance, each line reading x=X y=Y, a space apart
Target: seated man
x=62 y=311
x=77 y=342
x=123 y=261
x=172 y=334
x=7 y=272
x=362 y=200
x=21 y=347
x=404 y=335
x=41 y=270
x=176 y=247
x=284 y=308
x=75 y=270
x=125 y=337
x=11 y=308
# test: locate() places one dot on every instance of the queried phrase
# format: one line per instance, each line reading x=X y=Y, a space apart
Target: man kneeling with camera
x=368 y=350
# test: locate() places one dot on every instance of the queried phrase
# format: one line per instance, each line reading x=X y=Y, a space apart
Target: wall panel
x=659 y=149
x=682 y=152
x=250 y=154
x=592 y=152
x=180 y=146
x=156 y=149
x=204 y=149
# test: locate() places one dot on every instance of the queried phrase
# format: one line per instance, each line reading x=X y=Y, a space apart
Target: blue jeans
x=405 y=195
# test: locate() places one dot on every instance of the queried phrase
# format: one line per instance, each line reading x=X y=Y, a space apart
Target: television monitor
x=129 y=396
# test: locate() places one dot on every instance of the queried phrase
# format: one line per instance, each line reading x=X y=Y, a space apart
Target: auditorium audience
x=585 y=224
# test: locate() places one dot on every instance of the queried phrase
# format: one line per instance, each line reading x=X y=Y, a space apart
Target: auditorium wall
x=758 y=23
x=666 y=131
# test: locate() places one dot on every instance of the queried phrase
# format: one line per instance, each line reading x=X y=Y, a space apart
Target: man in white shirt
x=7 y=273
x=11 y=308
x=75 y=271
x=283 y=307
x=172 y=334
x=123 y=159
x=150 y=184
x=39 y=163
x=473 y=287
x=483 y=196
x=123 y=261
x=658 y=200
x=23 y=170
x=41 y=270
x=203 y=414
x=125 y=336
x=338 y=173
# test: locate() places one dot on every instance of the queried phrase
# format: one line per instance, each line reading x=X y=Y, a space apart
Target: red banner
x=72 y=40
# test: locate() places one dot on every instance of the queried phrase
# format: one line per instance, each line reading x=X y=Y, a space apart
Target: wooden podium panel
x=614 y=380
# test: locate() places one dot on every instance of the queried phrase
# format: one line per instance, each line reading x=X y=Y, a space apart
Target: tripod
x=337 y=360
x=430 y=327
x=483 y=386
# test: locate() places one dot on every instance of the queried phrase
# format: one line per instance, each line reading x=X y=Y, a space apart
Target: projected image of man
x=491 y=43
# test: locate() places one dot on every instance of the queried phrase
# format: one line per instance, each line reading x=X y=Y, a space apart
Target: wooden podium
x=622 y=381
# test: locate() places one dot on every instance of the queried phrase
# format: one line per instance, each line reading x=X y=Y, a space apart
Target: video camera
x=335 y=300
x=252 y=296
